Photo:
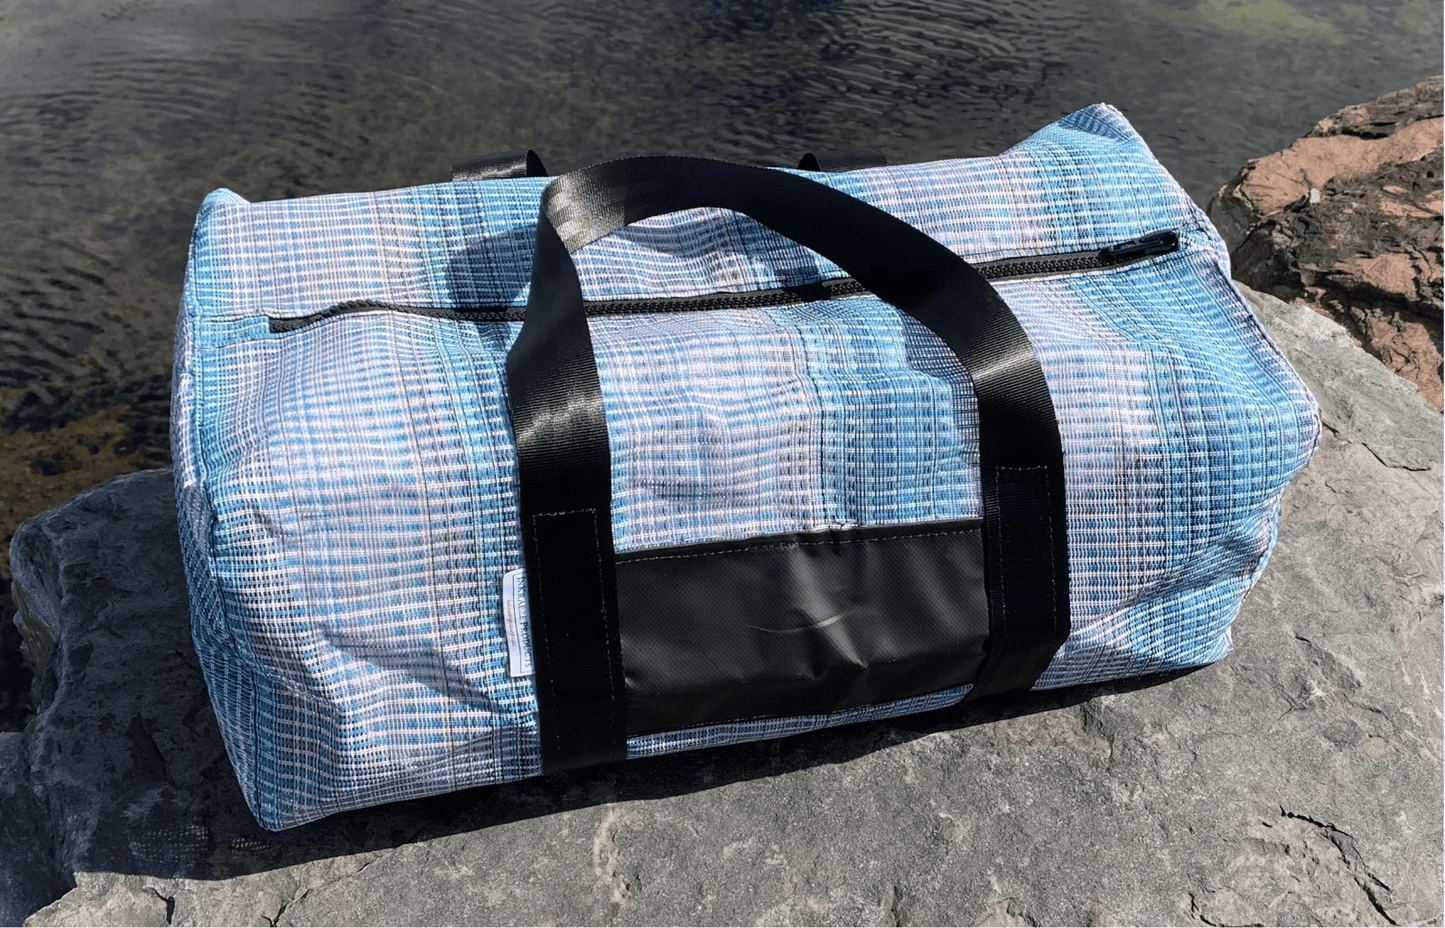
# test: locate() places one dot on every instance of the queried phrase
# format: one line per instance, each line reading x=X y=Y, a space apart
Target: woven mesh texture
x=347 y=489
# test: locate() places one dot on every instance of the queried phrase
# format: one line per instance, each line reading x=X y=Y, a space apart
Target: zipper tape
x=1121 y=254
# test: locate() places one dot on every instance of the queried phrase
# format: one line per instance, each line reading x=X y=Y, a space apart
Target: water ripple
x=118 y=118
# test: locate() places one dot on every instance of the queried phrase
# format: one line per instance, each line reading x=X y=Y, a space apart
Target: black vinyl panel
x=799 y=624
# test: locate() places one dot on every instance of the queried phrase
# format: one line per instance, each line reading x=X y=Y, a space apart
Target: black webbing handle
x=564 y=460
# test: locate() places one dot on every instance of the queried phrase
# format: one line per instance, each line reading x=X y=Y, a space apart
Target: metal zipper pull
x=1145 y=246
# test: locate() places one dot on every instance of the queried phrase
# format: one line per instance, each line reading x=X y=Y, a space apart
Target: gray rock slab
x=1298 y=781
x=1360 y=401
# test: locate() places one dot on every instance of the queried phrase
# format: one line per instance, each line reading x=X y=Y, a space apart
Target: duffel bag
x=487 y=479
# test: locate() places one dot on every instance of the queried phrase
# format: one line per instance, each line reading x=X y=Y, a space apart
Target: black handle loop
x=564 y=460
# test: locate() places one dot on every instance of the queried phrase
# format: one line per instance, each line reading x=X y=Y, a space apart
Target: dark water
x=118 y=117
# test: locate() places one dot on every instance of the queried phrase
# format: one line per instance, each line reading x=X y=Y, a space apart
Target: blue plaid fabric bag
x=486 y=479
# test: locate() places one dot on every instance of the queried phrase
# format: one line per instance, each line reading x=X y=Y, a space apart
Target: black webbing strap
x=521 y=162
x=564 y=460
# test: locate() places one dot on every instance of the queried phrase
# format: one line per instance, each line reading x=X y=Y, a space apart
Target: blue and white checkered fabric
x=348 y=491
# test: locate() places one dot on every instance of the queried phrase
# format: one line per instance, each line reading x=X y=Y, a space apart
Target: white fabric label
x=517 y=623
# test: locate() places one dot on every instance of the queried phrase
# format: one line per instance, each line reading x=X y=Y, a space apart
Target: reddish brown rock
x=1348 y=220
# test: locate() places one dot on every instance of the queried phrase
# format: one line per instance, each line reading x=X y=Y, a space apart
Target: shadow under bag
x=499 y=477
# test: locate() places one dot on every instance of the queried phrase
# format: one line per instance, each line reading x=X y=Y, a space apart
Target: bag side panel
x=1181 y=429
x=229 y=680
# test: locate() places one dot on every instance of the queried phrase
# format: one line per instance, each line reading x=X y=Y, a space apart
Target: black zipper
x=1135 y=249
x=1118 y=255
